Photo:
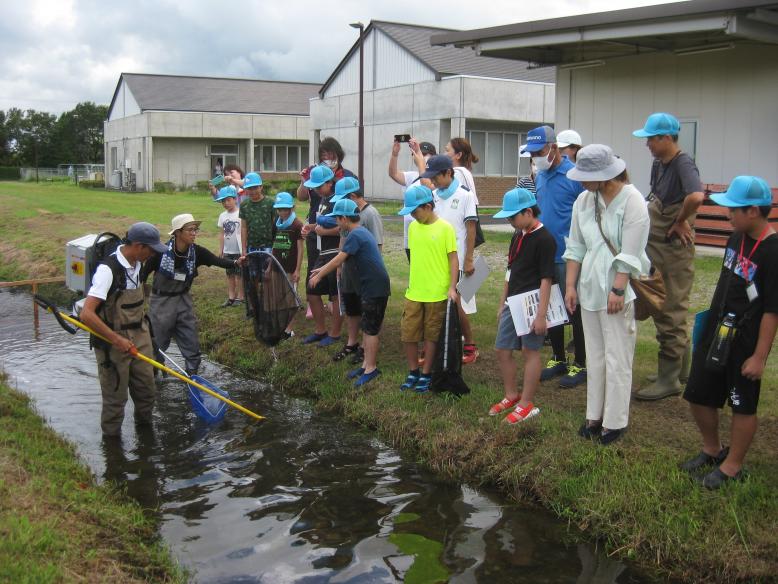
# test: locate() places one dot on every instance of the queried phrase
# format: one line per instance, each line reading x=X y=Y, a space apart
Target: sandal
x=345 y=352
x=358 y=357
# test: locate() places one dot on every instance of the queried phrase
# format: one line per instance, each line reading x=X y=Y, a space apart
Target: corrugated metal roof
x=219 y=95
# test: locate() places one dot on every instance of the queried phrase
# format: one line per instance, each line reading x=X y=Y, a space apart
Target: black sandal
x=358 y=357
x=345 y=352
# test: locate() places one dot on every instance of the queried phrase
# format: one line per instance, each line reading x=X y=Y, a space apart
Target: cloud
x=55 y=53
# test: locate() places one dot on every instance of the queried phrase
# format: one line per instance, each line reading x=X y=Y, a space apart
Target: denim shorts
x=507 y=339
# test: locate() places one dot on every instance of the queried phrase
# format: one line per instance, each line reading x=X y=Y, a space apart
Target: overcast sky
x=55 y=53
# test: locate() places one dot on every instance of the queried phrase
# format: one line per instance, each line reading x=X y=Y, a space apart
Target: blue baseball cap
x=283 y=201
x=344 y=208
x=659 y=124
x=225 y=193
x=414 y=196
x=146 y=234
x=252 y=179
x=344 y=187
x=437 y=164
x=537 y=139
x=515 y=201
x=320 y=174
x=745 y=191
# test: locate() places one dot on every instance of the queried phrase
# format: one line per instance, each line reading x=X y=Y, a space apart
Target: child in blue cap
x=229 y=242
x=288 y=242
x=729 y=362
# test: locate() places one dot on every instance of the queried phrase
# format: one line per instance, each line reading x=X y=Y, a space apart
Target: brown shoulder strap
x=599 y=224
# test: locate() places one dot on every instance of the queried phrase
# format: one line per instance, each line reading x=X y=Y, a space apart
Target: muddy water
x=302 y=497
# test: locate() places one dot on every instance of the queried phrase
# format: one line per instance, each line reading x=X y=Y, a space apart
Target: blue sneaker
x=553 y=369
x=328 y=340
x=410 y=381
x=314 y=338
x=423 y=385
x=355 y=373
x=575 y=376
x=367 y=377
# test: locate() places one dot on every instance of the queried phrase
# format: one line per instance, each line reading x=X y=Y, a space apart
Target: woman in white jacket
x=606 y=246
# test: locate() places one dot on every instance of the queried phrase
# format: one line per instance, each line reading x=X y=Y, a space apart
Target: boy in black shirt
x=530 y=267
x=746 y=295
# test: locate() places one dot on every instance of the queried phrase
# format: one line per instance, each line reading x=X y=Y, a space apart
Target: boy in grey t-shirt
x=370 y=219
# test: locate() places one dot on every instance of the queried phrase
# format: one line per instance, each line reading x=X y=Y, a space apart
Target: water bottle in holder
x=718 y=353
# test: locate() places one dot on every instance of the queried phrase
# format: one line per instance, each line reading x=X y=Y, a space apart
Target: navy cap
x=146 y=234
x=437 y=164
x=537 y=139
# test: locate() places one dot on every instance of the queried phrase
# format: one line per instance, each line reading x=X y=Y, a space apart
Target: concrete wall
x=434 y=111
x=732 y=95
x=125 y=104
x=181 y=161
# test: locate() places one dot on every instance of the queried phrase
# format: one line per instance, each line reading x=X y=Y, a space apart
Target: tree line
x=35 y=138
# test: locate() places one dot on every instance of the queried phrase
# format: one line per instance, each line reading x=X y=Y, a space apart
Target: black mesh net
x=447 y=367
x=273 y=300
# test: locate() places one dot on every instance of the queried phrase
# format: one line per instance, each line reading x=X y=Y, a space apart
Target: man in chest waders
x=676 y=194
x=170 y=307
x=114 y=309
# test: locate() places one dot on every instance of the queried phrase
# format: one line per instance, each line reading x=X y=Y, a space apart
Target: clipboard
x=469 y=285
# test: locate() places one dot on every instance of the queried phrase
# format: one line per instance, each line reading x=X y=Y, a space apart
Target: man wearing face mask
x=556 y=194
x=420 y=153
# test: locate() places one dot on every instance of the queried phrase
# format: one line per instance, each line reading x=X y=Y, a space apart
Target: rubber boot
x=686 y=366
x=667 y=383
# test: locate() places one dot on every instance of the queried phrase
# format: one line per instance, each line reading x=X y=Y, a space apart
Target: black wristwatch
x=618 y=291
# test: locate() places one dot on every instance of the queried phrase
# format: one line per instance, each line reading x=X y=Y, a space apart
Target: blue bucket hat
x=225 y=193
x=415 y=195
x=344 y=187
x=537 y=139
x=437 y=164
x=344 y=208
x=320 y=174
x=745 y=191
x=659 y=124
x=283 y=201
x=515 y=201
x=252 y=179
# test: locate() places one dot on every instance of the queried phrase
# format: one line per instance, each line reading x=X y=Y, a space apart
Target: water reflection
x=301 y=497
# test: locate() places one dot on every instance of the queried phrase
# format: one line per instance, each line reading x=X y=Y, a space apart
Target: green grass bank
x=630 y=495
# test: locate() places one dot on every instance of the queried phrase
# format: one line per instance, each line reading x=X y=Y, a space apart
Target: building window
x=139 y=161
x=687 y=139
x=498 y=153
x=283 y=157
x=114 y=158
x=222 y=149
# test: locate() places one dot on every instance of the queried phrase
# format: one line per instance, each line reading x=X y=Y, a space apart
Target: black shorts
x=328 y=285
x=312 y=252
x=352 y=304
x=713 y=390
x=235 y=270
x=373 y=310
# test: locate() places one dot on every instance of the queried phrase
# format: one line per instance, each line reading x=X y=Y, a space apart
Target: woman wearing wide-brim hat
x=171 y=310
x=606 y=246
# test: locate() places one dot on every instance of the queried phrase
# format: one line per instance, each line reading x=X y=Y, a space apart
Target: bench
x=712 y=225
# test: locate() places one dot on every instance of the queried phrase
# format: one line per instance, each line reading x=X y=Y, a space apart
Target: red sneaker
x=469 y=354
x=505 y=404
x=521 y=414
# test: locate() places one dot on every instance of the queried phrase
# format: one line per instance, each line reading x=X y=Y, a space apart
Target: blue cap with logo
x=320 y=174
x=659 y=124
x=515 y=201
x=437 y=164
x=344 y=187
x=537 y=139
x=252 y=179
x=415 y=196
x=283 y=201
x=344 y=208
x=225 y=193
x=745 y=191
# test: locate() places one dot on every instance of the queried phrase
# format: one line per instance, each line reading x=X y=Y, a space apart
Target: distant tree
x=79 y=134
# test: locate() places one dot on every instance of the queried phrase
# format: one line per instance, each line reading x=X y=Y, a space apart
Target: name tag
x=751 y=292
x=179 y=276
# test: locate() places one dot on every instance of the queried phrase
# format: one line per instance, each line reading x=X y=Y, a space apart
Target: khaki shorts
x=422 y=321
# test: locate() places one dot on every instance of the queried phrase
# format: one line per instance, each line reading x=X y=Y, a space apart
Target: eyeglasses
x=194 y=230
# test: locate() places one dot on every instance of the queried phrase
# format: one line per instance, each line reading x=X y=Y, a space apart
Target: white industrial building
x=712 y=63
x=433 y=93
x=173 y=129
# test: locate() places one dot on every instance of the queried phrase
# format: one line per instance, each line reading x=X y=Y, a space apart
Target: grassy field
x=56 y=524
x=631 y=495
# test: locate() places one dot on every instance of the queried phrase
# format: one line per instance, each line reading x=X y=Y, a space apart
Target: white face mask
x=331 y=163
x=542 y=162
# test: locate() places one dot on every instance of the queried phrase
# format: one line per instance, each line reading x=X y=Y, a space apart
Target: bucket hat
x=225 y=193
x=344 y=187
x=320 y=174
x=537 y=139
x=414 y=196
x=596 y=162
x=515 y=201
x=659 y=124
x=745 y=191
x=146 y=234
x=181 y=221
x=344 y=208
x=283 y=201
